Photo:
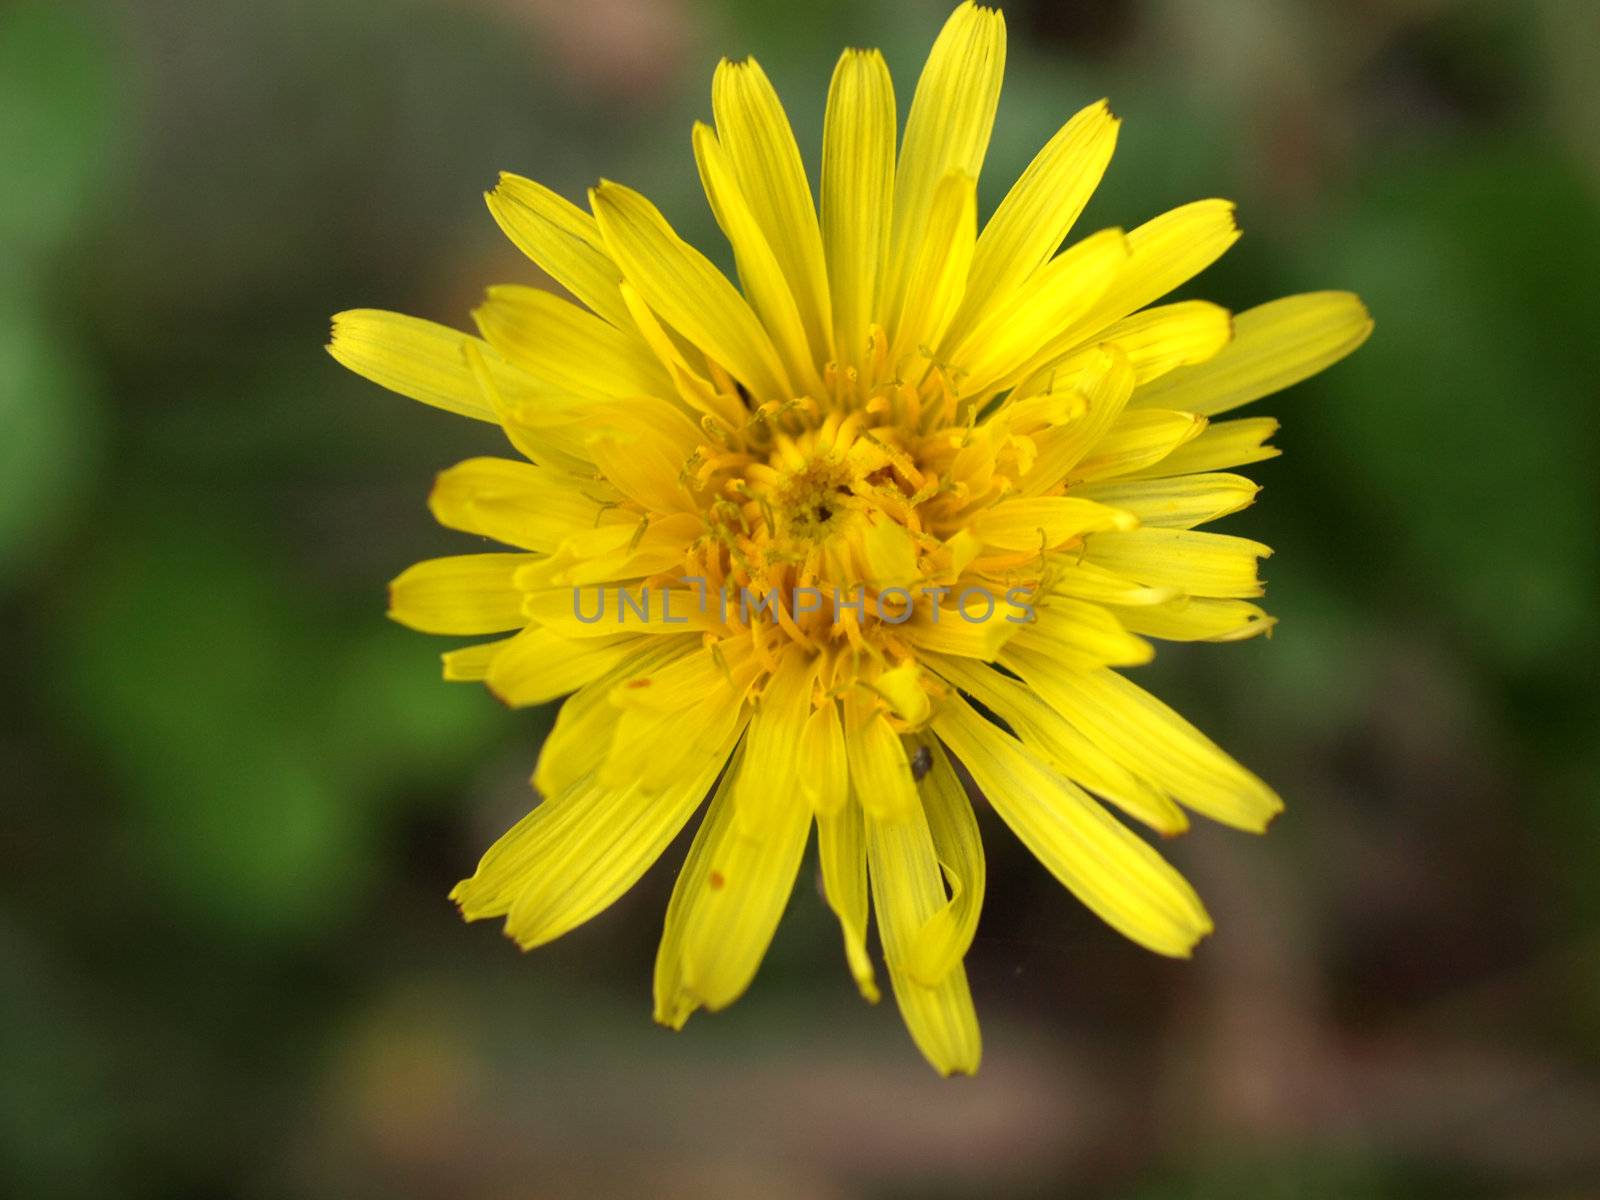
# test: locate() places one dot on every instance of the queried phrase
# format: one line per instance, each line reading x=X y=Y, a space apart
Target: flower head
x=902 y=499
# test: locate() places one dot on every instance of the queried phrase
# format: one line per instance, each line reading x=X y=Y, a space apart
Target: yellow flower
x=798 y=543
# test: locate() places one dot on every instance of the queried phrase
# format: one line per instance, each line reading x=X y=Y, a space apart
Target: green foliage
x=253 y=737
x=1465 y=427
x=58 y=91
x=51 y=427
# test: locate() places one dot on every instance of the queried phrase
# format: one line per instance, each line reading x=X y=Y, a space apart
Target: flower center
x=813 y=501
x=833 y=522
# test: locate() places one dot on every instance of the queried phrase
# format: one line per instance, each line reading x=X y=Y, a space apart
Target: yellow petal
x=538 y=666
x=748 y=884
x=1086 y=581
x=416 y=358
x=726 y=905
x=826 y=777
x=947 y=130
x=1222 y=444
x=579 y=851
x=938 y=947
x=769 y=783
x=751 y=125
x=568 y=347
x=673 y=1005
x=518 y=503
x=502 y=871
x=600 y=610
x=471 y=663
x=1165 y=252
x=902 y=687
x=969 y=629
x=888 y=555
x=642 y=454
x=545 y=425
x=691 y=295
x=908 y=891
x=842 y=853
x=584 y=727
x=1193 y=561
x=465 y=593
x=1196 y=619
x=673 y=353
x=1061 y=744
x=760 y=271
x=1180 y=502
x=1037 y=523
x=1081 y=634
x=1005 y=344
x=611 y=552
x=857 y=194
x=1136 y=440
x=1274 y=346
x=880 y=773
x=1039 y=211
x=1117 y=875
x=1148 y=737
x=652 y=743
x=936 y=274
x=563 y=239
x=1038 y=411
x=673 y=687
x=1161 y=339
x=1103 y=382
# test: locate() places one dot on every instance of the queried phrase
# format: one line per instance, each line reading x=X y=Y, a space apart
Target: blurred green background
x=235 y=797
